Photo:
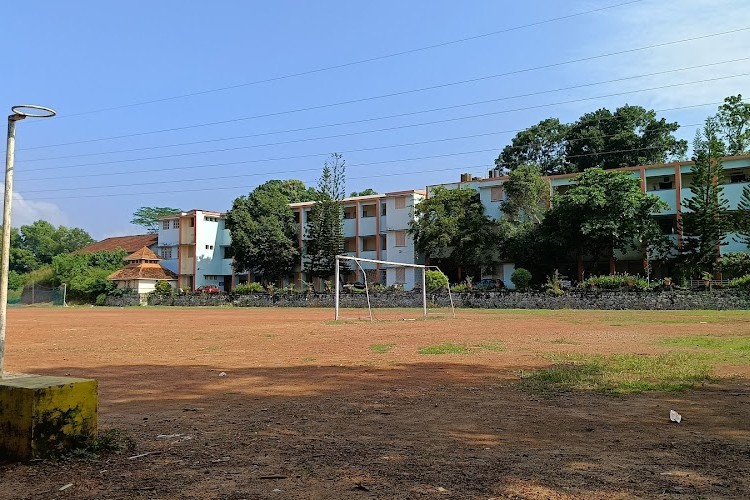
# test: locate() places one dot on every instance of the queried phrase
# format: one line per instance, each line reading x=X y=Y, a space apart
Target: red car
x=210 y=289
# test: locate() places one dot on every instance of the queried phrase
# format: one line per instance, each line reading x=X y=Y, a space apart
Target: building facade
x=195 y=246
x=375 y=227
x=670 y=182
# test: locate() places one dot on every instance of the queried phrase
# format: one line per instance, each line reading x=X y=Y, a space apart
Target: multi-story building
x=669 y=181
x=375 y=227
x=195 y=246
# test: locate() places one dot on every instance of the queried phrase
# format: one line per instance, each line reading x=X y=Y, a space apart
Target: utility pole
x=19 y=113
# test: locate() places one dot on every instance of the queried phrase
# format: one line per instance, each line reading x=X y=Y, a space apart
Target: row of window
x=176 y=223
x=368 y=242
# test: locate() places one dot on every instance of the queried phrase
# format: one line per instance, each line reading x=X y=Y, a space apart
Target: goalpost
x=386 y=264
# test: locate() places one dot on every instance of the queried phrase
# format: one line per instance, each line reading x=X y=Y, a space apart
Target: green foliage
x=615 y=282
x=459 y=288
x=163 y=288
x=705 y=220
x=100 y=299
x=743 y=282
x=554 y=285
x=447 y=348
x=521 y=278
x=86 y=274
x=526 y=195
x=542 y=145
x=325 y=231
x=381 y=348
x=35 y=245
x=264 y=232
x=635 y=135
x=735 y=264
x=451 y=226
x=249 y=288
x=148 y=217
x=733 y=119
x=435 y=280
x=605 y=211
x=365 y=192
x=741 y=218
x=621 y=374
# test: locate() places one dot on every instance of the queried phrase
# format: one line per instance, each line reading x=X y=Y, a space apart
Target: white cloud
x=25 y=212
x=655 y=22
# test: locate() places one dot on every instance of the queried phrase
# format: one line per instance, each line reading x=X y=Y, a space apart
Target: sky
x=191 y=104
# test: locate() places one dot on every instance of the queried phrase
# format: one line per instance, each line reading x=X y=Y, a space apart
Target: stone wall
x=612 y=300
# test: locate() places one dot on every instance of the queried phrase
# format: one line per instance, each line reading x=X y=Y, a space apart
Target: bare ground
x=307 y=409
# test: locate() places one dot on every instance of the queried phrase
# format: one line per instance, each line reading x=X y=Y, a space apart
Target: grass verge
x=381 y=348
x=729 y=350
x=620 y=374
x=451 y=348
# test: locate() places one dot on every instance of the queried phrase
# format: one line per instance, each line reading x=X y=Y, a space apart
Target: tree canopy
x=264 y=232
x=35 y=245
x=451 y=226
x=542 y=145
x=148 y=217
x=325 y=231
x=733 y=120
x=603 y=212
x=364 y=192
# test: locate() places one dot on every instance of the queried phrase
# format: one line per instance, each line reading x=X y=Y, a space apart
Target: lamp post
x=19 y=113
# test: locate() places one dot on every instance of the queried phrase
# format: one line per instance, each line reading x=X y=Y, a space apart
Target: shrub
x=458 y=287
x=163 y=288
x=735 y=265
x=615 y=282
x=435 y=280
x=554 y=284
x=249 y=288
x=521 y=278
x=743 y=283
x=100 y=299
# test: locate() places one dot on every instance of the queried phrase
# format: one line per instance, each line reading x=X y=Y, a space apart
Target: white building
x=375 y=227
x=195 y=246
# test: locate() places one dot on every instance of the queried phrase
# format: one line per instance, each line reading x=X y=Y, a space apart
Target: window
x=350 y=245
x=383 y=242
x=400 y=275
x=209 y=247
x=227 y=252
x=665 y=185
x=734 y=178
x=176 y=224
x=401 y=202
x=166 y=252
x=190 y=252
x=350 y=212
x=400 y=238
x=165 y=224
x=191 y=222
x=211 y=219
x=496 y=193
x=212 y=277
x=296 y=217
x=368 y=211
x=382 y=209
x=368 y=244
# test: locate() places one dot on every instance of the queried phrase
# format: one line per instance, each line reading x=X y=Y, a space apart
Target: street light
x=19 y=113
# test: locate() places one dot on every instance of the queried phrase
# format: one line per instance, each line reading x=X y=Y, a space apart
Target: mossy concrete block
x=41 y=416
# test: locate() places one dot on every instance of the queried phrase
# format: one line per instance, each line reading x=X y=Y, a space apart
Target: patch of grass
x=309 y=360
x=734 y=350
x=212 y=348
x=493 y=346
x=620 y=374
x=563 y=341
x=447 y=348
x=381 y=348
x=109 y=441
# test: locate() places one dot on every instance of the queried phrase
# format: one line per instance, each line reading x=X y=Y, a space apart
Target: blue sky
x=84 y=58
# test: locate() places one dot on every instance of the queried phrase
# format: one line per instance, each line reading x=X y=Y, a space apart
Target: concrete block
x=41 y=416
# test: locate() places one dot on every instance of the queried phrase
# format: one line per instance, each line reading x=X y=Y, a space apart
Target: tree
x=86 y=274
x=148 y=217
x=526 y=195
x=264 y=233
x=542 y=145
x=365 y=192
x=706 y=223
x=451 y=226
x=733 y=119
x=325 y=230
x=630 y=136
x=603 y=212
x=36 y=244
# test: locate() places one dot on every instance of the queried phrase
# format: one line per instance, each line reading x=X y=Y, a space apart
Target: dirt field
x=308 y=409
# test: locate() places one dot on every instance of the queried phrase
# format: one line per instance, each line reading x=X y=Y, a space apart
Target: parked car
x=209 y=289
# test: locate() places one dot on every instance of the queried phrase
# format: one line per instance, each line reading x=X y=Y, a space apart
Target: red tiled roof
x=142 y=271
x=128 y=243
x=142 y=254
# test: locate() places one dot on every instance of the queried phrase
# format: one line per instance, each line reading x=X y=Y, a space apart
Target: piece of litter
x=441 y=489
x=168 y=436
x=144 y=455
x=66 y=487
x=674 y=416
x=276 y=490
x=704 y=322
x=223 y=374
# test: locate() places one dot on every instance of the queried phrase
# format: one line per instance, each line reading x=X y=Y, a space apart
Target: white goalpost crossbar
x=357 y=260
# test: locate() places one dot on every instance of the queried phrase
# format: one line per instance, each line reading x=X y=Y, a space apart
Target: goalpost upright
x=337 y=273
